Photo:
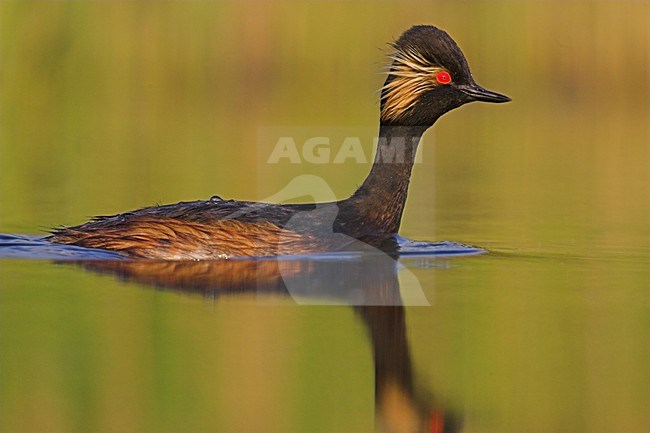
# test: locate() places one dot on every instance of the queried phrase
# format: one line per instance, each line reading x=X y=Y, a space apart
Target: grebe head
x=428 y=77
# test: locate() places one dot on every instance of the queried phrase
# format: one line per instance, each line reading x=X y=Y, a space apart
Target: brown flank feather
x=174 y=239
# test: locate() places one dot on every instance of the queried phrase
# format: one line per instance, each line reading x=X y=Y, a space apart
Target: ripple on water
x=36 y=247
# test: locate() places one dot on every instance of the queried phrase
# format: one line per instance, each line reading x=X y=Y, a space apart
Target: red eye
x=443 y=77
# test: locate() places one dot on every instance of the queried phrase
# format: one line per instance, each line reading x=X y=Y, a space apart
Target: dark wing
x=208 y=212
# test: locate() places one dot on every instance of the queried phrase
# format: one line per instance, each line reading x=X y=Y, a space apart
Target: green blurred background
x=110 y=106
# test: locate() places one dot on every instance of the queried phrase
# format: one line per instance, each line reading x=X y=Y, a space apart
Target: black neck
x=380 y=200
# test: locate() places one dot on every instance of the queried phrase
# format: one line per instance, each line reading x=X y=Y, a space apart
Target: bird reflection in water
x=368 y=283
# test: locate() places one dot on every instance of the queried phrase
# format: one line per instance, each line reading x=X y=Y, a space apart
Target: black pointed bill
x=478 y=93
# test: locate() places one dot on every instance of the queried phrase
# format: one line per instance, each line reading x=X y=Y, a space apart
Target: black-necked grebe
x=428 y=77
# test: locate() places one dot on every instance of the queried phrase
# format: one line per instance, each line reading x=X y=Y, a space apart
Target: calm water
x=109 y=106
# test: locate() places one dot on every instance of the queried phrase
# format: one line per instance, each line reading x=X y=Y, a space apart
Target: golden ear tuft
x=412 y=75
